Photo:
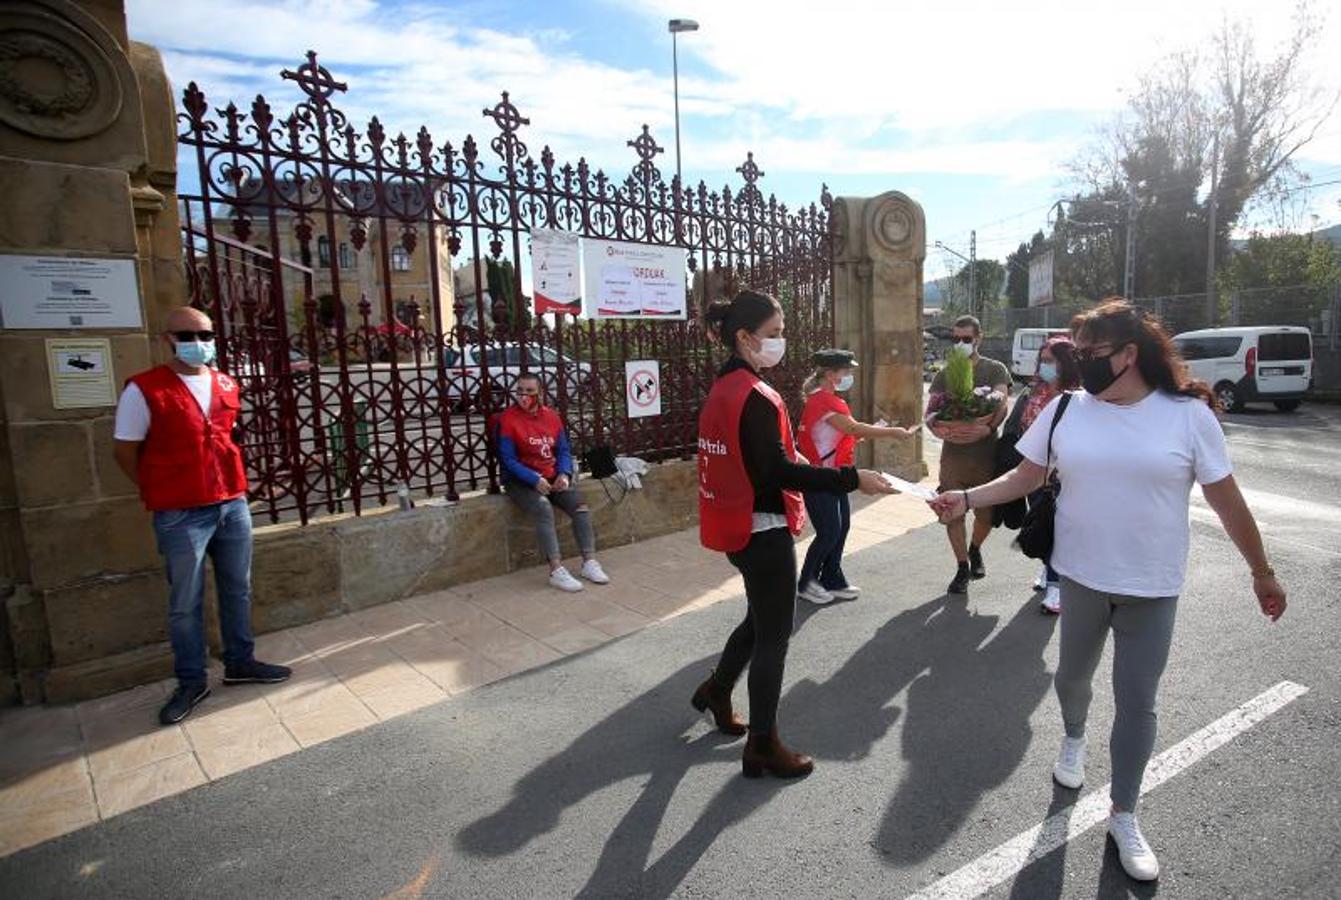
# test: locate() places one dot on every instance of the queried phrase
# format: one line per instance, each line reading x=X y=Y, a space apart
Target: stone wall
x=111 y=633
x=87 y=168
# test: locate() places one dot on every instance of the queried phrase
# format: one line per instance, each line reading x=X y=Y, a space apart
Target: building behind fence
x=326 y=255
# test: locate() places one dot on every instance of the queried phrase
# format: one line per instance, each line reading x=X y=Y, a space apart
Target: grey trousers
x=541 y=510
x=1142 y=632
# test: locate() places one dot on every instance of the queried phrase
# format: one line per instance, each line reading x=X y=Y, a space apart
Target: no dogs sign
x=642 y=387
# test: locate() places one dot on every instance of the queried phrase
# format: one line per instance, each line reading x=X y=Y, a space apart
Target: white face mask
x=961 y=349
x=770 y=352
x=844 y=383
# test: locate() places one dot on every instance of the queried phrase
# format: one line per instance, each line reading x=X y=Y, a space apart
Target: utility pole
x=1129 y=270
x=1212 y=308
x=973 y=269
x=676 y=27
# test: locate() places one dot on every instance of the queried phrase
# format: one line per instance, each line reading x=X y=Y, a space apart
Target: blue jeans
x=221 y=531
x=831 y=514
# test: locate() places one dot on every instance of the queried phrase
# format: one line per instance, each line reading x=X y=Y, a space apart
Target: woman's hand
x=1270 y=596
x=543 y=487
x=870 y=482
x=949 y=507
x=561 y=484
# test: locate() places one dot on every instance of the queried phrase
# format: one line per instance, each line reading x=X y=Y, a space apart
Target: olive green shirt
x=987 y=372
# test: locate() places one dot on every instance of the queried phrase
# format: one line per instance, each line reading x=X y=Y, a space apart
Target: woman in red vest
x=828 y=437
x=750 y=507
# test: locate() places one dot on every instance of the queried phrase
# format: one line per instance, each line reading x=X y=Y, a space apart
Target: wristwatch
x=1264 y=572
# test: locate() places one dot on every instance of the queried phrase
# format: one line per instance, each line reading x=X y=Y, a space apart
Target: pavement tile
x=453 y=610
x=508 y=648
x=32 y=791
x=394 y=688
x=327 y=713
x=58 y=813
x=387 y=619
x=36 y=738
x=608 y=617
x=448 y=663
x=140 y=743
x=244 y=748
x=127 y=790
x=211 y=726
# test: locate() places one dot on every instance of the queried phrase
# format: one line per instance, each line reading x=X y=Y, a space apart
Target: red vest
x=818 y=405
x=725 y=495
x=188 y=460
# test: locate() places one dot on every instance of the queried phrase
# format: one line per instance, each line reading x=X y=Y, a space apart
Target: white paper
x=907 y=487
x=633 y=281
x=59 y=292
x=642 y=385
x=555 y=266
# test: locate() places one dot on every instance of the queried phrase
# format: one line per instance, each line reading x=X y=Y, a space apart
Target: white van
x=1256 y=363
x=1025 y=349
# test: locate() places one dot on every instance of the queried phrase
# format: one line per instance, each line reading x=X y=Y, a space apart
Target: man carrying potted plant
x=967 y=404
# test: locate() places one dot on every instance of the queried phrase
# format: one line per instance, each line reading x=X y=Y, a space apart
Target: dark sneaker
x=182 y=702
x=255 y=672
x=961 y=582
x=976 y=568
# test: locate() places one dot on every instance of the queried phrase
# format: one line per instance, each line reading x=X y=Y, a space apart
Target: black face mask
x=1097 y=375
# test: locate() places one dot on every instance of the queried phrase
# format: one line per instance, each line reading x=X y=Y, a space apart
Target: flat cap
x=834 y=358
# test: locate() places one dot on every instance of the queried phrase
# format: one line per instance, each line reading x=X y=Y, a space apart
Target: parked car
x=502 y=363
x=1025 y=347
x=247 y=366
x=1253 y=363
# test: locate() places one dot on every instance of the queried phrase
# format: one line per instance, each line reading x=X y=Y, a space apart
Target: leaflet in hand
x=908 y=487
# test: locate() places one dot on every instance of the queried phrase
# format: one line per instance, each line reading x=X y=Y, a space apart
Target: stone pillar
x=879 y=247
x=87 y=168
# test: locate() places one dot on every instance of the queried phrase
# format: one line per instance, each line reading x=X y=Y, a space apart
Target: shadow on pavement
x=978 y=700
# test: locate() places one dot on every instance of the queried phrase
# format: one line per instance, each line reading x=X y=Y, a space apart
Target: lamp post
x=972 y=265
x=676 y=26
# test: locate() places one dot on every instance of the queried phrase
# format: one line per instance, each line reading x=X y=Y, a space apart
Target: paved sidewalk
x=69 y=766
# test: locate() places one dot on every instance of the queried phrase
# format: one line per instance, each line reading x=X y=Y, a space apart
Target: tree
x=990 y=277
x=1282 y=261
x=1257 y=112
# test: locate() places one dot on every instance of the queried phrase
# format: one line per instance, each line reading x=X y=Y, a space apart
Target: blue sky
x=972 y=107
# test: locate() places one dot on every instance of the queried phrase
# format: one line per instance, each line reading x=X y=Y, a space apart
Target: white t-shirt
x=826 y=438
x=1126 y=474
x=132 y=412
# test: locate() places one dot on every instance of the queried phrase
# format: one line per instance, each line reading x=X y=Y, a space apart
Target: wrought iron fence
x=325 y=256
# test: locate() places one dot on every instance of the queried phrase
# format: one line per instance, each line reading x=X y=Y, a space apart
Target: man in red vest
x=174 y=439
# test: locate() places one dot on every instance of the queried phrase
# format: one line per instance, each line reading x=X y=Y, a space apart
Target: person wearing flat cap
x=828 y=437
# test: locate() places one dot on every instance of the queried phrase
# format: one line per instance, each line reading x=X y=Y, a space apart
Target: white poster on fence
x=642 y=387
x=555 y=279
x=633 y=281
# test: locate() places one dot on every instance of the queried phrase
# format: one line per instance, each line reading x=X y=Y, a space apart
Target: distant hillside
x=1331 y=235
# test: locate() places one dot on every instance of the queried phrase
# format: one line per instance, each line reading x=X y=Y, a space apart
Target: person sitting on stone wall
x=538 y=474
x=174 y=426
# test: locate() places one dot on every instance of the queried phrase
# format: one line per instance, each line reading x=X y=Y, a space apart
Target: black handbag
x=1009 y=515
x=1036 y=533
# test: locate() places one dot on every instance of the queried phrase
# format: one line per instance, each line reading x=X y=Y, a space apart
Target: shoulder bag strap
x=1061 y=408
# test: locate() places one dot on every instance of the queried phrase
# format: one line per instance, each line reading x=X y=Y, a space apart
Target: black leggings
x=768 y=565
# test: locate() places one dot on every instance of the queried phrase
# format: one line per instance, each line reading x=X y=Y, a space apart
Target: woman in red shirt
x=828 y=438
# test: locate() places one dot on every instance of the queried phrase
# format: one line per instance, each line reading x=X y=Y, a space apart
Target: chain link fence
x=1318 y=309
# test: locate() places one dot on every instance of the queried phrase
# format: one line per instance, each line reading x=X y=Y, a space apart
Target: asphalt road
x=932 y=719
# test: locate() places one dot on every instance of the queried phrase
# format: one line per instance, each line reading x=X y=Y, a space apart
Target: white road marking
x=996 y=866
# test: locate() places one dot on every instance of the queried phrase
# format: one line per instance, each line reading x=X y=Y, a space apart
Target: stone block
x=26 y=383
x=53 y=208
x=99 y=677
x=398 y=554
x=28 y=634
x=52 y=463
x=13 y=554
x=75 y=543
x=9 y=494
x=106 y=616
x=112 y=482
x=160 y=114
x=295 y=577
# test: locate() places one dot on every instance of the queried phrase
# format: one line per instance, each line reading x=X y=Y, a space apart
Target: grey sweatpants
x=1142 y=632
x=541 y=510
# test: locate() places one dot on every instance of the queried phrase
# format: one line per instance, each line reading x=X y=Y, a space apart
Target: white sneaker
x=562 y=579
x=1137 y=857
x=592 y=571
x=1069 y=771
x=851 y=592
x=1041 y=582
x=1052 y=600
x=815 y=594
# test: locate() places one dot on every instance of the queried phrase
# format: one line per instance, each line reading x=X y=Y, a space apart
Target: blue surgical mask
x=844 y=383
x=194 y=353
x=1048 y=372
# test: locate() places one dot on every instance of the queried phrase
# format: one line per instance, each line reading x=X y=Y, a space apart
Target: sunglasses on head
x=192 y=335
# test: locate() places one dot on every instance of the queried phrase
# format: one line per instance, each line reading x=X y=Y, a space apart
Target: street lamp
x=676 y=26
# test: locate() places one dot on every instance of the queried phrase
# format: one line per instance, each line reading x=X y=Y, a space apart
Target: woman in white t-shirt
x=1128 y=450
